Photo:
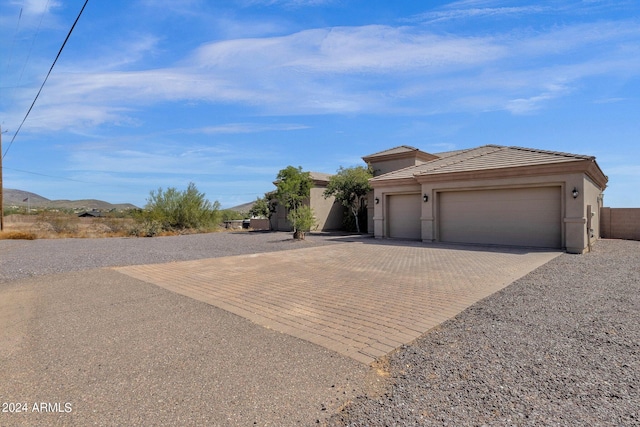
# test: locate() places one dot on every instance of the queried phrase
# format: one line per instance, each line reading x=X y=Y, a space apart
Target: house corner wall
x=329 y=214
x=582 y=223
x=370 y=213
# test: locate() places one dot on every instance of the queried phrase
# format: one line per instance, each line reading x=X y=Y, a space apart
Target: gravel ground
x=119 y=351
x=560 y=346
x=27 y=258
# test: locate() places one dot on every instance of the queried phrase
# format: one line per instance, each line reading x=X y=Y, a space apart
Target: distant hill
x=243 y=208
x=18 y=198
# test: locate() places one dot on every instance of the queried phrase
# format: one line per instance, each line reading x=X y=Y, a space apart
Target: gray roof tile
x=483 y=158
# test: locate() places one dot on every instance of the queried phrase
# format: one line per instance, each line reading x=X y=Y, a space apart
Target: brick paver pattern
x=361 y=300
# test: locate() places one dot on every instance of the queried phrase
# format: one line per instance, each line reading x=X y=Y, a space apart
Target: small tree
x=350 y=186
x=260 y=208
x=303 y=220
x=293 y=187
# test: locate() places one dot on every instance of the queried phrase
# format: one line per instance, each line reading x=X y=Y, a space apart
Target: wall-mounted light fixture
x=425 y=198
x=575 y=193
x=377 y=200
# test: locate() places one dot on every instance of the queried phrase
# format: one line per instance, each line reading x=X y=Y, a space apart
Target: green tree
x=293 y=188
x=303 y=220
x=230 y=215
x=350 y=187
x=261 y=208
x=181 y=210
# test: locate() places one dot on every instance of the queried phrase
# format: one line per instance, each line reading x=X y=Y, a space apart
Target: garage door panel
x=519 y=217
x=404 y=216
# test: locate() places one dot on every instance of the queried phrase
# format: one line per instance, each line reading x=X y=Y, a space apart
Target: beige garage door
x=517 y=217
x=404 y=216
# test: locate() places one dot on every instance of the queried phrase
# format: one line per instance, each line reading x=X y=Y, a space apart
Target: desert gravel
x=28 y=258
x=97 y=347
x=559 y=347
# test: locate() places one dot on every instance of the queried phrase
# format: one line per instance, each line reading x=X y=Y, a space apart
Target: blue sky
x=159 y=93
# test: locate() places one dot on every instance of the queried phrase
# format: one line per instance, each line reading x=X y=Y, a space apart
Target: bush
x=59 y=222
x=146 y=228
x=177 y=210
x=230 y=215
x=17 y=235
x=302 y=220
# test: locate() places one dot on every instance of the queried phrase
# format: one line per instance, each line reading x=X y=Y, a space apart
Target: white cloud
x=477 y=12
x=288 y=3
x=235 y=128
x=374 y=48
x=374 y=69
x=37 y=7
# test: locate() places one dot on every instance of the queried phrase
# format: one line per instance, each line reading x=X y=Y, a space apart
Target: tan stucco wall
x=574 y=211
x=380 y=168
x=328 y=213
x=620 y=223
x=370 y=212
x=593 y=198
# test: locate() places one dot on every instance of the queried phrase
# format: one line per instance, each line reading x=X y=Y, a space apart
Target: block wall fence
x=620 y=223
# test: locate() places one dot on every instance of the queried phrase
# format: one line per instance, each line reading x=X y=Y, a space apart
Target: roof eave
x=587 y=166
x=420 y=155
x=392 y=182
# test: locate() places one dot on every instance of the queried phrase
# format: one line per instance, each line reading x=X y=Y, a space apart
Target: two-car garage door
x=515 y=217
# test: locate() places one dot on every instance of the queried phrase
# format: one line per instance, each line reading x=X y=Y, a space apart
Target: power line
x=46 y=78
x=103 y=184
x=15 y=35
x=53 y=176
x=33 y=41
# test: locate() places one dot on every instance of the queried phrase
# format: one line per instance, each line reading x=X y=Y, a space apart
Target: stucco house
x=328 y=214
x=490 y=195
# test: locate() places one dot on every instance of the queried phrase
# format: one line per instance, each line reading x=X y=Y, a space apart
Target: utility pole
x=1 y=192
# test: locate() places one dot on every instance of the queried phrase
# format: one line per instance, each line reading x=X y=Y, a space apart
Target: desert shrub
x=230 y=215
x=114 y=225
x=175 y=210
x=17 y=235
x=146 y=228
x=58 y=222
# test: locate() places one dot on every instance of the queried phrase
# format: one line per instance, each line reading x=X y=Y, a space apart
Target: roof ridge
x=555 y=153
x=443 y=165
x=393 y=148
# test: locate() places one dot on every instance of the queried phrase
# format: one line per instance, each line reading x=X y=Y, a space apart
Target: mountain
x=17 y=198
x=244 y=208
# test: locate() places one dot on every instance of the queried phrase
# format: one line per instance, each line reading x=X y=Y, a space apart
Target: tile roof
x=483 y=158
x=394 y=150
x=320 y=176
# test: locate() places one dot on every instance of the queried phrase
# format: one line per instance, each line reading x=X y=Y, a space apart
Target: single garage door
x=514 y=217
x=404 y=211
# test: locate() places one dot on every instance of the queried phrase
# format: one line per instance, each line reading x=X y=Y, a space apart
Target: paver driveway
x=361 y=299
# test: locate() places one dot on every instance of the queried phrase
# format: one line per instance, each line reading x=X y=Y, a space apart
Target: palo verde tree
x=293 y=188
x=350 y=187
